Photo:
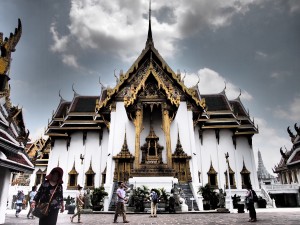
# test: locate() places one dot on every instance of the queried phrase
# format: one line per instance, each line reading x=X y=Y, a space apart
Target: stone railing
x=281 y=186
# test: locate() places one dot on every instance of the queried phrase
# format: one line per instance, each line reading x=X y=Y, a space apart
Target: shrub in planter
x=97 y=198
x=261 y=203
x=241 y=208
x=70 y=204
x=235 y=200
x=210 y=197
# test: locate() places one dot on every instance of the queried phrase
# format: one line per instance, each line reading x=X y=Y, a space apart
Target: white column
x=4 y=186
x=193 y=165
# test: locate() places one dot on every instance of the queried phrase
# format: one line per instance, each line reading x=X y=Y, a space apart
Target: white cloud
x=120 y=27
x=37 y=134
x=213 y=82
x=294 y=6
x=70 y=60
x=292 y=112
x=280 y=74
x=60 y=43
x=260 y=55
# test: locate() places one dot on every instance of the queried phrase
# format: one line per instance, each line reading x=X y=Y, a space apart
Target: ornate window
x=199 y=176
x=212 y=176
x=295 y=176
x=90 y=178
x=103 y=177
x=231 y=178
x=72 y=182
x=245 y=174
x=284 y=178
x=40 y=177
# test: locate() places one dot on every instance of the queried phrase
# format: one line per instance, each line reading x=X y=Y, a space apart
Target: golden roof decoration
x=7 y=46
x=211 y=169
x=244 y=169
x=124 y=153
x=73 y=170
x=90 y=170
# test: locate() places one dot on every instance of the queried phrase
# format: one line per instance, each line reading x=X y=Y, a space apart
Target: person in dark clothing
x=250 y=204
x=52 y=184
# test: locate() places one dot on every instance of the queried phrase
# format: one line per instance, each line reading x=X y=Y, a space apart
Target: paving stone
x=265 y=217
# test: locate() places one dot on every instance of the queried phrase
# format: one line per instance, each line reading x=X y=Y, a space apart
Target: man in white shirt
x=120 y=207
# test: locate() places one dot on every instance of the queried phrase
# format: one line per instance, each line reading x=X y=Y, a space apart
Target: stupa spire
x=149 y=38
x=262 y=172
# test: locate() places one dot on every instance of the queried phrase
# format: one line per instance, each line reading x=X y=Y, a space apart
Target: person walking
x=52 y=186
x=154 y=201
x=79 y=204
x=31 y=197
x=19 y=202
x=250 y=204
x=121 y=200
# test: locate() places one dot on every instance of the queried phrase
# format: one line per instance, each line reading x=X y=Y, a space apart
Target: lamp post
x=228 y=180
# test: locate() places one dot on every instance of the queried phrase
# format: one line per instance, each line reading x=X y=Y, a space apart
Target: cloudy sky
x=251 y=45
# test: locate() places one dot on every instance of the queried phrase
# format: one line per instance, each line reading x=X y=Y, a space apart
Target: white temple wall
x=245 y=151
x=209 y=153
x=225 y=145
x=4 y=190
x=103 y=152
x=92 y=152
x=115 y=140
x=198 y=155
x=181 y=124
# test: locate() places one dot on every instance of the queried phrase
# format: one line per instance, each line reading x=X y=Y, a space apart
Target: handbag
x=42 y=208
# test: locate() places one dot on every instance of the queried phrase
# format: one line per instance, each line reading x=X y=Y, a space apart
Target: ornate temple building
x=151 y=129
x=14 y=136
x=288 y=169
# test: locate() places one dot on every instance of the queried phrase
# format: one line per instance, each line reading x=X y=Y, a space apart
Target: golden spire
x=149 y=38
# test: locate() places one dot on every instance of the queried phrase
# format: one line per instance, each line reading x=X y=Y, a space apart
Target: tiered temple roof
x=13 y=135
x=290 y=158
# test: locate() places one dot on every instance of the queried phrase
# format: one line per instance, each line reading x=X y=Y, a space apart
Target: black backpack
x=255 y=198
x=154 y=197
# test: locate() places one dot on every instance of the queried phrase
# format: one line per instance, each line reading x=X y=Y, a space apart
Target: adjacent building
x=13 y=134
x=288 y=170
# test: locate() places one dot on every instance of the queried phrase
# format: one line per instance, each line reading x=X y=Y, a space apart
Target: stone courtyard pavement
x=283 y=216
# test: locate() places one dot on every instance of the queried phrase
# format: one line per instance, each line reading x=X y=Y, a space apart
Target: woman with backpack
x=154 y=201
x=250 y=195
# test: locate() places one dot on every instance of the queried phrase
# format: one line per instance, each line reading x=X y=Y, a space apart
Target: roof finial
x=75 y=93
x=149 y=38
x=61 y=98
x=102 y=86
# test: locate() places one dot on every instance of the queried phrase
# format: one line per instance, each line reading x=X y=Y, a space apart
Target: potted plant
x=97 y=198
x=210 y=198
x=70 y=204
x=261 y=202
x=140 y=195
x=164 y=197
x=235 y=200
x=236 y=203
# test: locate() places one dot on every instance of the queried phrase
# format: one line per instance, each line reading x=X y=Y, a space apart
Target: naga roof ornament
x=8 y=46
